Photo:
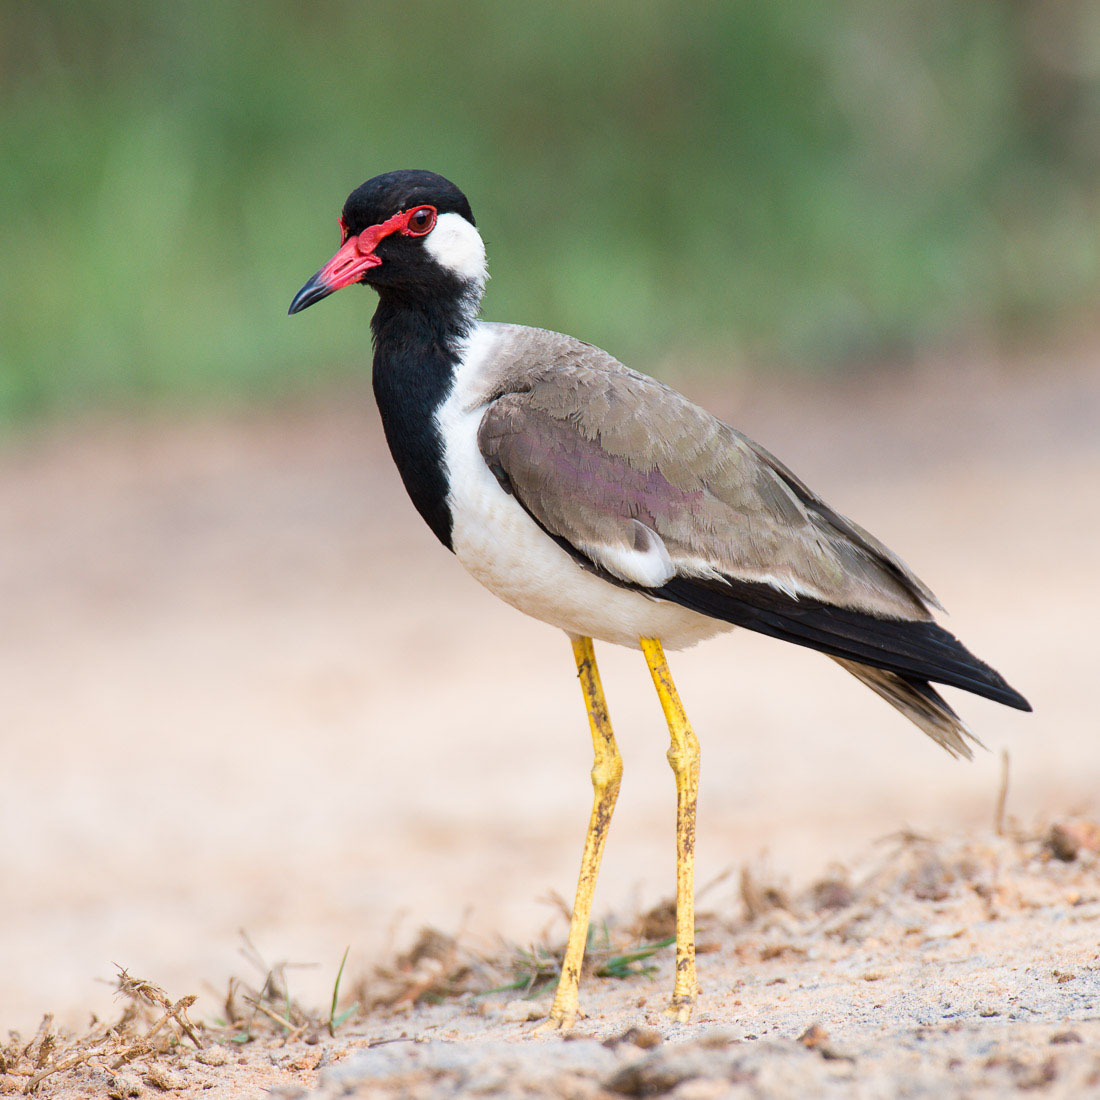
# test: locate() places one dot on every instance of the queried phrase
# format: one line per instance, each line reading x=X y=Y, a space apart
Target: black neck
x=417 y=343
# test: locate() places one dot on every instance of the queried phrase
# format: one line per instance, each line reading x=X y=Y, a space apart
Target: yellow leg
x=683 y=755
x=607 y=770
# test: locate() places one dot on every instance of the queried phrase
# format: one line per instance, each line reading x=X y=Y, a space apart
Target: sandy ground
x=241 y=687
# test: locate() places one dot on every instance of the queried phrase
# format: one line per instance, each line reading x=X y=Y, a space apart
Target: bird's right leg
x=607 y=771
x=683 y=755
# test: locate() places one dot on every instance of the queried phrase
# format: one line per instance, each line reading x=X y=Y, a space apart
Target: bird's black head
x=380 y=198
x=410 y=233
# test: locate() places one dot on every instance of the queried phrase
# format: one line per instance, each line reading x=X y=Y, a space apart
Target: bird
x=603 y=502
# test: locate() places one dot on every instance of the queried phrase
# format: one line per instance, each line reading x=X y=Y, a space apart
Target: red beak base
x=357 y=256
x=345 y=268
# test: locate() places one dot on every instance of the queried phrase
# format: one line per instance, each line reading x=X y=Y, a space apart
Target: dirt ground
x=242 y=688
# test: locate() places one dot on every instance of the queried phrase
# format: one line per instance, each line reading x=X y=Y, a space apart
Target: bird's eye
x=343 y=231
x=420 y=221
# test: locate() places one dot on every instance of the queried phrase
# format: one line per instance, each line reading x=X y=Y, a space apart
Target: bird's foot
x=679 y=1012
x=560 y=1020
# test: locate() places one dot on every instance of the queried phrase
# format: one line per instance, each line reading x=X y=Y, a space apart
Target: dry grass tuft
x=759 y=896
x=979 y=878
x=436 y=967
x=152 y=1026
x=155 y=1043
x=267 y=1011
x=439 y=966
x=611 y=952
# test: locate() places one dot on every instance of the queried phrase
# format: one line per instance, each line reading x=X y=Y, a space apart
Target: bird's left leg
x=607 y=770
x=683 y=755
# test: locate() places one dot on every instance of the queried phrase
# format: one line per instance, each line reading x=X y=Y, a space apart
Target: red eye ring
x=419 y=222
x=343 y=231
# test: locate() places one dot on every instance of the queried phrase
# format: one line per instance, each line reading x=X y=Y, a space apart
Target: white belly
x=507 y=552
x=500 y=545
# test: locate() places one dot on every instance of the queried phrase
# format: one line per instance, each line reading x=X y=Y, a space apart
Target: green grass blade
x=335 y=1021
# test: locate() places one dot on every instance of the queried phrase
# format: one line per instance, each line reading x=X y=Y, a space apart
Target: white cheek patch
x=456 y=245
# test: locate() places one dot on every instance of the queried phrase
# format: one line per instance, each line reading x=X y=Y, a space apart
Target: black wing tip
x=920 y=648
x=996 y=690
x=983 y=681
x=1000 y=691
x=1015 y=700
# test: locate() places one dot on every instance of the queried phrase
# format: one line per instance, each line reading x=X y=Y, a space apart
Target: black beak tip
x=310 y=294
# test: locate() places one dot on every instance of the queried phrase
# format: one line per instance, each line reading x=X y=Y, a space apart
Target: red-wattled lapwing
x=604 y=503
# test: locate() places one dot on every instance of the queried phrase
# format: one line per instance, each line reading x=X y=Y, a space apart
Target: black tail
x=920 y=703
x=913 y=649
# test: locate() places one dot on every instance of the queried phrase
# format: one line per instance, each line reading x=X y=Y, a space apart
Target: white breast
x=500 y=545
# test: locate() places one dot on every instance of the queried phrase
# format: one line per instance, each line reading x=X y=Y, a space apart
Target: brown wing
x=605 y=459
x=652 y=491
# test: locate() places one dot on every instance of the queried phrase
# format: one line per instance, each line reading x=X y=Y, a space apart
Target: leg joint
x=607 y=772
x=683 y=758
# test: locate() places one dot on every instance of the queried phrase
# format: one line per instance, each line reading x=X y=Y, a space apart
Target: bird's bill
x=355 y=257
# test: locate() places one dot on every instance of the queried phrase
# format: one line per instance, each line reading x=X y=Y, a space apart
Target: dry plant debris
x=439 y=967
x=154 y=1044
x=151 y=1027
x=437 y=1013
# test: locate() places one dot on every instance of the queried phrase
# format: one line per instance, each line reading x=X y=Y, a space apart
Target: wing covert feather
x=616 y=464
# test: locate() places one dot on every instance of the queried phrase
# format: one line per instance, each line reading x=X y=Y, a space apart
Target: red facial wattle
x=357 y=255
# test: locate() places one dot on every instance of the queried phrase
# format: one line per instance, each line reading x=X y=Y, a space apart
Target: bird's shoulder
x=549 y=377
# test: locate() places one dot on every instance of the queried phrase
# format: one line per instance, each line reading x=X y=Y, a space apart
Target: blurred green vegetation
x=794 y=182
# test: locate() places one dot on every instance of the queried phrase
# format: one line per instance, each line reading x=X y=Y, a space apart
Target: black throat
x=417 y=344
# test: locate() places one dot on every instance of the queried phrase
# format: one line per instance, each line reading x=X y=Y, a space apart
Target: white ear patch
x=456 y=245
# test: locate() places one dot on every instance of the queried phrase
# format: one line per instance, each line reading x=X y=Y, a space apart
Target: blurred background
x=240 y=685
x=797 y=184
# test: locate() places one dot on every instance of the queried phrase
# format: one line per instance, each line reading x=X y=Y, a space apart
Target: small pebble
x=816 y=1038
x=645 y=1038
x=123 y=1085
x=1066 y=840
x=813 y=1037
x=165 y=1079
x=1061 y=1037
